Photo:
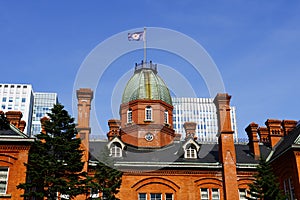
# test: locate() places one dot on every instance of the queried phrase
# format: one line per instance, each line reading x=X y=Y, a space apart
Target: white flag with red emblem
x=136 y=36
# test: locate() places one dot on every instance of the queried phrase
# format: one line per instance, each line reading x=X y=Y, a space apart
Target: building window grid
x=3 y=179
x=215 y=194
x=204 y=194
x=168 y=196
x=243 y=194
x=210 y=194
x=190 y=152
x=155 y=196
x=142 y=196
x=207 y=112
x=129 y=116
x=148 y=113
x=116 y=150
x=166 y=117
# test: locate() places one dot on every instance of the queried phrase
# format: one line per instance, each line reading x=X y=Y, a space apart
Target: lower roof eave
x=16 y=139
x=163 y=164
x=246 y=166
x=168 y=164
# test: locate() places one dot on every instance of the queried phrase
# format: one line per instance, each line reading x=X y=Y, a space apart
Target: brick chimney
x=114 y=128
x=84 y=97
x=22 y=125
x=14 y=117
x=227 y=154
x=275 y=131
x=253 y=140
x=190 y=129
x=288 y=126
x=43 y=120
x=264 y=135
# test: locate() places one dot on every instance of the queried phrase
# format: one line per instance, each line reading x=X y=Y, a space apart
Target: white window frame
x=129 y=115
x=212 y=194
x=202 y=193
x=115 y=151
x=139 y=197
x=242 y=193
x=156 y=198
x=190 y=153
x=166 y=117
x=4 y=173
x=148 y=113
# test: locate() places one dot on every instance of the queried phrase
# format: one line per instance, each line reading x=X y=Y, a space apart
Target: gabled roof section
x=12 y=132
x=189 y=142
x=116 y=140
x=9 y=132
x=292 y=140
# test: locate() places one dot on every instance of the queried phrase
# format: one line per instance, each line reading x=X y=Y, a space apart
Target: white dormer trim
x=116 y=147
x=191 y=141
x=191 y=152
x=116 y=140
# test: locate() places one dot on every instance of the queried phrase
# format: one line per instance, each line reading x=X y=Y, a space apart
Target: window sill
x=5 y=195
x=148 y=120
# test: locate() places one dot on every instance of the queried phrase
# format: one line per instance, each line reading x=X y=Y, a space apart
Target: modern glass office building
x=43 y=103
x=203 y=112
x=18 y=97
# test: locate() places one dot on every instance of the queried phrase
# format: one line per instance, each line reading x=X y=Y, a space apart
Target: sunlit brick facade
x=188 y=169
x=14 y=149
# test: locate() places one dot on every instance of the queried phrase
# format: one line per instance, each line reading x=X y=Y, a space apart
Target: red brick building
x=14 y=148
x=158 y=166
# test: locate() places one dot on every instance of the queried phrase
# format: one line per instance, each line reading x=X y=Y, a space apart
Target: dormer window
x=148 y=113
x=190 y=152
x=116 y=147
x=116 y=150
x=166 y=117
x=129 y=115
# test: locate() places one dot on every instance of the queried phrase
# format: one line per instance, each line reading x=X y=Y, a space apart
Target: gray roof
x=292 y=140
x=207 y=156
x=13 y=134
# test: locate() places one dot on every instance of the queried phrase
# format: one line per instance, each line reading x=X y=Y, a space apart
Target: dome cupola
x=146 y=111
x=145 y=84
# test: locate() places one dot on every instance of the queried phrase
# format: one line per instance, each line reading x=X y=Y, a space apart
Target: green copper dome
x=146 y=84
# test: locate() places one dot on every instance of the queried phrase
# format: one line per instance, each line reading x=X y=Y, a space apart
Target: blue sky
x=255 y=45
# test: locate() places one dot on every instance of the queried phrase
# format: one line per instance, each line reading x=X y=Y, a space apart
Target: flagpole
x=145 y=47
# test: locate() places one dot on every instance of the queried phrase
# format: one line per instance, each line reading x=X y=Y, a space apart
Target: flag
x=136 y=36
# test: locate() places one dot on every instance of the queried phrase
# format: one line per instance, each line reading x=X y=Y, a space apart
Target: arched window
x=129 y=115
x=190 y=152
x=148 y=113
x=116 y=150
x=166 y=117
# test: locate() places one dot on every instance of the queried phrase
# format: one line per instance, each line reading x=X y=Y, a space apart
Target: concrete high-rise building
x=18 y=97
x=203 y=112
x=33 y=105
x=43 y=103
